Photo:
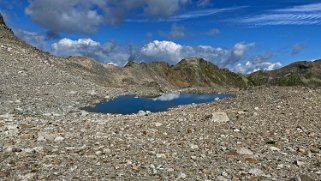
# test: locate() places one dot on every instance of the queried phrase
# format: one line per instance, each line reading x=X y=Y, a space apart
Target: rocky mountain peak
x=2 y=20
x=192 y=61
x=3 y=26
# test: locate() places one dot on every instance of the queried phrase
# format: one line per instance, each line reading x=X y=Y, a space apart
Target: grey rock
x=244 y=151
x=220 y=117
x=256 y=172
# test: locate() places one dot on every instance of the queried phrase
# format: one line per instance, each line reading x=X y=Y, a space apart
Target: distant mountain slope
x=193 y=72
x=296 y=74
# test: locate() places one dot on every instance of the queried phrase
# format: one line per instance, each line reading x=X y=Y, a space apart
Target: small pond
x=132 y=104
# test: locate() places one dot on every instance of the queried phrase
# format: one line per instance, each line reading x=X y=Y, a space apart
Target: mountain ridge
x=301 y=73
x=187 y=73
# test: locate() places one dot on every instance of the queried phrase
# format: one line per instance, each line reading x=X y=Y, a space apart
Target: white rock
x=84 y=113
x=29 y=176
x=224 y=174
x=73 y=92
x=41 y=139
x=59 y=139
x=181 y=176
x=272 y=148
x=220 y=117
x=193 y=146
x=12 y=130
x=160 y=155
x=299 y=163
x=92 y=92
x=7 y=117
x=158 y=124
x=46 y=136
x=256 y=172
x=98 y=152
x=244 y=151
x=141 y=113
x=280 y=166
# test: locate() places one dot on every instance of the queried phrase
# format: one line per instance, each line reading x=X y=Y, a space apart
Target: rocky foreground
x=263 y=134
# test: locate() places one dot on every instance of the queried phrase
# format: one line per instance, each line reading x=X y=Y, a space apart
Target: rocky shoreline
x=265 y=133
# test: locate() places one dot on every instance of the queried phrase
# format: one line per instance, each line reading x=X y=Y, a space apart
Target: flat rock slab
x=220 y=117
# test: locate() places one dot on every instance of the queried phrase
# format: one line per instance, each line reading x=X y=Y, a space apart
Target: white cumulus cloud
x=107 y=53
x=161 y=50
x=259 y=62
x=173 y=52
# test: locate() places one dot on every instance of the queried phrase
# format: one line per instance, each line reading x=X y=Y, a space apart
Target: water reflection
x=133 y=104
x=167 y=97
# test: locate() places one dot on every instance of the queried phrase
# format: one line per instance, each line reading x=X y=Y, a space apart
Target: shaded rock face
x=2 y=20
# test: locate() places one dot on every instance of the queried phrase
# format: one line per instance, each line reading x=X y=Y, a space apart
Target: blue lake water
x=131 y=104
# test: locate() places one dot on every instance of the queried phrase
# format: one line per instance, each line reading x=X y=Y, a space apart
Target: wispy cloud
x=190 y=15
x=303 y=8
x=309 y=14
x=202 y=13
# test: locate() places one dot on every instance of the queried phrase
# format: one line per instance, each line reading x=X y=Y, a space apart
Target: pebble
x=301 y=150
x=161 y=155
x=280 y=166
x=244 y=151
x=59 y=139
x=181 y=175
x=256 y=172
x=299 y=163
x=272 y=148
x=193 y=146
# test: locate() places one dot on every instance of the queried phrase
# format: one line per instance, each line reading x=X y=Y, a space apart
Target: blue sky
x=242 y=35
